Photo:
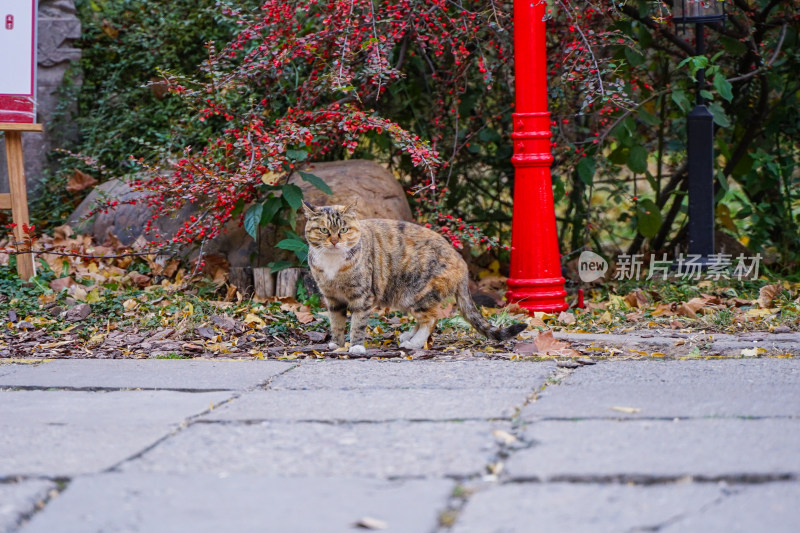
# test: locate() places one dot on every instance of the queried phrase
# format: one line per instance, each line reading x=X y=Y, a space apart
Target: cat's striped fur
x=363 y=264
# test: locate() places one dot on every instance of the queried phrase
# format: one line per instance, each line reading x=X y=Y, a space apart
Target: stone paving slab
x=62 y=433
x=596 y=508
x=373 y=405
x=732 y=387
x=195 y=375
x=712 y=448
x=772 y=507
x=242 y=504
x=420 y=449
x=415 y=375
x=578 y=507
x=7 y=368
x=665 y=341
x=18 y=500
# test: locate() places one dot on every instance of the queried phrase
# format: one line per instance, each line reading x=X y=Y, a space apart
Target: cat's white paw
x=357 y=348
x=406 y=335
x=411 y=345
x=333 y=346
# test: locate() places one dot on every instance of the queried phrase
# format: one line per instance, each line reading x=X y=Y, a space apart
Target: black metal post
x=700 y=153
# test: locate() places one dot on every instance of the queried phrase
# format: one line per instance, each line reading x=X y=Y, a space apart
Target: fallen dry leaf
x=767 y=294
x=371 y=523
x=60 y=284
x=665 y=309
x=545 y=344
x=628 y=410
x=304 y=317
x=691 y=307
x=139 y=279
x=504 y=437
x=254 y=321
x=79 y=181
x=636 y=299
x=565 y=318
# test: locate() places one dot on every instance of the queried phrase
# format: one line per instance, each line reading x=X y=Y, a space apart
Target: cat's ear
x=309 y=209
x=351 y=209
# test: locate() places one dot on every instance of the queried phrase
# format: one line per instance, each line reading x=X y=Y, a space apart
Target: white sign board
x=18 y=61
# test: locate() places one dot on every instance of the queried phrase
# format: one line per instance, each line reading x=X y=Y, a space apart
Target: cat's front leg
x=337 y=313
x=358 y=329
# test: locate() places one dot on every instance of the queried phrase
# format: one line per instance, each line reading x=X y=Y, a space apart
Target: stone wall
x=58 y=26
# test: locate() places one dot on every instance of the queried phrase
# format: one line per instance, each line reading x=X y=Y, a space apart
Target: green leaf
x=237 y=208
x=708 y=95
x=619 y=156
x=695 y=63
x=633 y=57
x=679 y=97
x=586 y=170
x=719 y=115
x=291 y=220
x=292 y=234
x=651 y=180
x=734 y=47
x=723 y=87
x=317 y=182
x=252 y=219
x=299 y=248
x=277 y=266
x=637 y=159
x=648 y=218
x=648 y=118
x=293 y=195
x=270 y=208
x=489 y=135
x=297 y=155
x=293 y=245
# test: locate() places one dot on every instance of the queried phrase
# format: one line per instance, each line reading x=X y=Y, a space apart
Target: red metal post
x=536 y=283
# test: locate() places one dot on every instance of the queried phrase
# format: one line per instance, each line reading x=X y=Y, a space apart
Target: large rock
x=377 y=191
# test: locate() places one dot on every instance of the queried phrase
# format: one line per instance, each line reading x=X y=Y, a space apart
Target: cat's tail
x=474 y=317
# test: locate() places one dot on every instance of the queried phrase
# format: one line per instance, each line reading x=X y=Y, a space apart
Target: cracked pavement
x=415 y=446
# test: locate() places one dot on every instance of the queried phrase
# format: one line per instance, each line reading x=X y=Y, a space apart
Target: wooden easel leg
x=19 y=199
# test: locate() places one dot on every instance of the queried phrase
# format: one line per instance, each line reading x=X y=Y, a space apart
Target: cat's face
x=332 y=227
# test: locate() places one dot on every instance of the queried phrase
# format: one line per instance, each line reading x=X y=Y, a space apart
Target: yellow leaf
x=77 y=292
x=254 y=321
x=96 y=339
x=130 y=304
x=724 y=216
x=93 y=297
x=49 y=345
x=270 y=178
x=753 y=352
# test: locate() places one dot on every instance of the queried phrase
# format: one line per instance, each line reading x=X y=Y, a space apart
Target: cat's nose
x=334 y=241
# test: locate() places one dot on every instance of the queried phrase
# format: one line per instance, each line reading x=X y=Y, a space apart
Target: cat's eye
x=343 y=230
x=324 y=231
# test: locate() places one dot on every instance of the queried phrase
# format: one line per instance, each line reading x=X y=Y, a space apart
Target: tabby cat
x=363 y=264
